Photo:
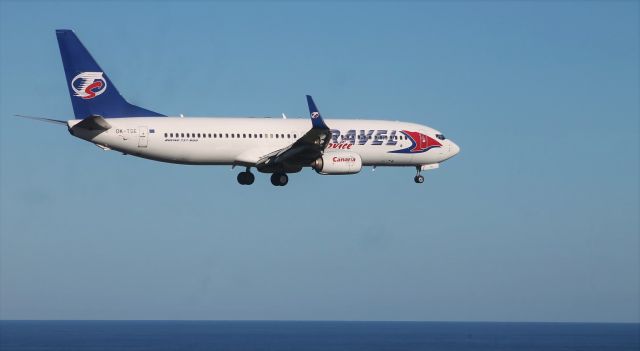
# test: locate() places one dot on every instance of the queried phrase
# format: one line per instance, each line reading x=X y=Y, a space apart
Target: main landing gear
x=279 y=179
x=418 y=178
x=246 y=177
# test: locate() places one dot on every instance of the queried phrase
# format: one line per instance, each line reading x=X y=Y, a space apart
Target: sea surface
x=299 y=336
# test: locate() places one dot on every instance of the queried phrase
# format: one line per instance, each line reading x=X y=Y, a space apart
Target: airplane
x=278 y=146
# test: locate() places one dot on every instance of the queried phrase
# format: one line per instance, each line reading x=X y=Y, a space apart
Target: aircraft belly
x=192 y=154
x=375 y=155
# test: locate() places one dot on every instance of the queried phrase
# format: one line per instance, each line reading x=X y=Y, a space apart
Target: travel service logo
x=88 y=85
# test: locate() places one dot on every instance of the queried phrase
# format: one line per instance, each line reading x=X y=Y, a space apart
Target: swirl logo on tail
x=88 y=85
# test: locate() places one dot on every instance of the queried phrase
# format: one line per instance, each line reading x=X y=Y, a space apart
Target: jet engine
x=338 y=163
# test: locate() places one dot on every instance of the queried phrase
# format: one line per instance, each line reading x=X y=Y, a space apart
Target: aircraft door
x=422 y=142
x=143 y=135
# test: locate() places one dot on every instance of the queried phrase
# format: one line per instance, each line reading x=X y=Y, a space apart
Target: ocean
x=329 y=336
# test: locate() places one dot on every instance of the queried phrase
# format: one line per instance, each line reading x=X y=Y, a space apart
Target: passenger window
x=288 y=136
x=282 y=136
x=260 y=135
x=182 y=135
x=294 y=136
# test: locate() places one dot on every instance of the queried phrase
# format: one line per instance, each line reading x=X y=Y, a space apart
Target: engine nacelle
x=338 y=163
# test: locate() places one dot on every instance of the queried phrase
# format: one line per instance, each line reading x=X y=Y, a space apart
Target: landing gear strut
x=246 y=177
x=418 y=178
x=279 y=179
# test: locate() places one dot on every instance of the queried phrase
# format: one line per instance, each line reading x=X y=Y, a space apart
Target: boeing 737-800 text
x=270 y=145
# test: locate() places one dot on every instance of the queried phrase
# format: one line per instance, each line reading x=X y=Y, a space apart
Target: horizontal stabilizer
x=93 y=123
x=43 y=119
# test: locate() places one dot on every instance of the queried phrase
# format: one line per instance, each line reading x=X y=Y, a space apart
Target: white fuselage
x=241 y=141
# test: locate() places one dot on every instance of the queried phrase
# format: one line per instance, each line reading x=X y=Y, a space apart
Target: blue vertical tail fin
x=91 y=90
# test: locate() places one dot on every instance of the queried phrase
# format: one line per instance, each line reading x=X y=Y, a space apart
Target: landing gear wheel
x=279 y=179
x=250 y=178
x=418 y=178
x=246 y=178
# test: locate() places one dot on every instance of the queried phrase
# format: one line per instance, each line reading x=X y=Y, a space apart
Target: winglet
x=316 y=118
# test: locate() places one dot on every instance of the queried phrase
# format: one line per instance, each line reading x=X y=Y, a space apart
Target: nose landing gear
x=246 y=177
x=418 y=178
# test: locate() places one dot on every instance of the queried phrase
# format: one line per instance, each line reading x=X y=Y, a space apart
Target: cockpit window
x=440 y=136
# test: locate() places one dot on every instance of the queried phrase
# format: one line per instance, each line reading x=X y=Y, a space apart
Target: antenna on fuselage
x=284 y=116
x=181 y=115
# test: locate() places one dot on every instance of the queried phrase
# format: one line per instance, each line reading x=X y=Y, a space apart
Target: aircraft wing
x=304 y=150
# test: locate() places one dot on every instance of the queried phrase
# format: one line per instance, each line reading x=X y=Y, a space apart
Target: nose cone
x=454 y=149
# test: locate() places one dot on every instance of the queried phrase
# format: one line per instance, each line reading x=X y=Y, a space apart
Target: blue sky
x=535 y=220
